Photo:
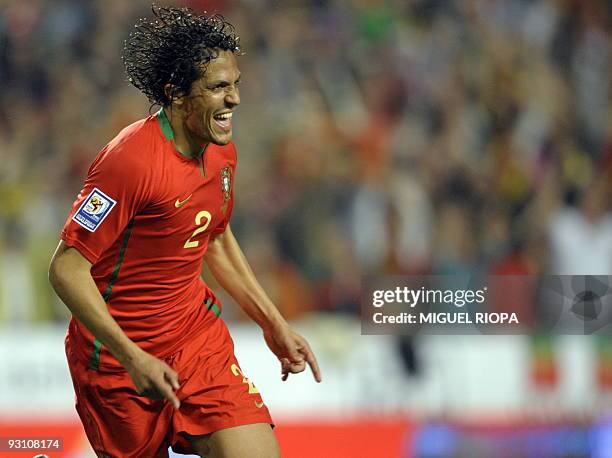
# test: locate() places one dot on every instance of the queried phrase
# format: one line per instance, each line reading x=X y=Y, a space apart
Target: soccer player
x=151 y=360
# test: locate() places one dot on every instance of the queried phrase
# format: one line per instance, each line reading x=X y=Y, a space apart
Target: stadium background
x=375 y=137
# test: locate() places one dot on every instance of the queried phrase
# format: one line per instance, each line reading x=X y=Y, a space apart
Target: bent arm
x=69 y=274
x=231 y=269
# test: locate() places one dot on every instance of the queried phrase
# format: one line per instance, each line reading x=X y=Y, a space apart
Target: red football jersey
x=144 y=219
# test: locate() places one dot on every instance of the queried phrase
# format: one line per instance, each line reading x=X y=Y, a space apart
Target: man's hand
x=153 y=378
x=230 y=268
x=293 y=352
x=70 y=276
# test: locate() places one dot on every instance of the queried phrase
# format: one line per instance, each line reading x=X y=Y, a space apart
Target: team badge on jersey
x=226 y=186
x=93 y=210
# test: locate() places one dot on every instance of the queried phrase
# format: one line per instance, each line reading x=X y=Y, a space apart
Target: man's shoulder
x=134 y=144
x=140 y=135
x=131 y=152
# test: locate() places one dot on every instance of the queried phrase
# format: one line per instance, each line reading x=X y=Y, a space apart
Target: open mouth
x=224 y=121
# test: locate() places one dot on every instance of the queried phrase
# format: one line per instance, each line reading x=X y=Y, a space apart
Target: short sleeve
x=116 y=188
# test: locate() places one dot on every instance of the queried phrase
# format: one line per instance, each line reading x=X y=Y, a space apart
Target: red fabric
x=158 y=291
x=214 y=395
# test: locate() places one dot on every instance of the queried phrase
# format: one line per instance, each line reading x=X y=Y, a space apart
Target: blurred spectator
x=387 y=136
x=581 y=237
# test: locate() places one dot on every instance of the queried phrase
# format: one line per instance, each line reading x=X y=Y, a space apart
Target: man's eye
x=222 y=86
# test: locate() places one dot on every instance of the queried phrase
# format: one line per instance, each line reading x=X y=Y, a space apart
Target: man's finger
x=285 y=368
x=296 y=368
x=169 y=395
x=172 y=377
x=312 y=362
x=295 y=355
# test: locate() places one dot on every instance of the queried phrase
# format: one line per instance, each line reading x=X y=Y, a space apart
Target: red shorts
x=213 y=392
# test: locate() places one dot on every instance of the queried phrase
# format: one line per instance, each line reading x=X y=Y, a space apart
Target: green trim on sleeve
x=113 y=278
x=94 y=361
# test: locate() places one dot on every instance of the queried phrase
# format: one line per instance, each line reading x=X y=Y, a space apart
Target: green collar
x=165 y=124
x=166 y=128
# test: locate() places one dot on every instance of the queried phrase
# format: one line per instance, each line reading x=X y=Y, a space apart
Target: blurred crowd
x=374 y=137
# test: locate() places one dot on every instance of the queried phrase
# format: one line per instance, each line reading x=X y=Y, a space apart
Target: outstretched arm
x=71 y=279
x=231 y=269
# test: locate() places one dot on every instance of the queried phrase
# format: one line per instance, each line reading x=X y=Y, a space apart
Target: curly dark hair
x=174 y=48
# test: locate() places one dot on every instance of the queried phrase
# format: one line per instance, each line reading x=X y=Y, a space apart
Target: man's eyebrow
x=221 y=81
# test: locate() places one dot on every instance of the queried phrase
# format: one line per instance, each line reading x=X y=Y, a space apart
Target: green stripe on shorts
x=212 y=307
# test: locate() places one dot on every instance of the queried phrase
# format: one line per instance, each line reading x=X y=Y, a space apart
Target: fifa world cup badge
x=226 y=186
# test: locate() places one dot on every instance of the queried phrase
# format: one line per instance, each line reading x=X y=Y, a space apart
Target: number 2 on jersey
x=201 y=228
x=236 y=371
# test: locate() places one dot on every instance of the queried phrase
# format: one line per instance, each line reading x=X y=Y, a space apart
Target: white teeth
x=224 y=116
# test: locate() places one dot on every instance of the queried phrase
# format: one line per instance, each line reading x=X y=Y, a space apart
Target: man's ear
x=174 y=94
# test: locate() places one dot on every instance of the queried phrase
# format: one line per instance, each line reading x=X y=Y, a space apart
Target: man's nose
x=233 y=96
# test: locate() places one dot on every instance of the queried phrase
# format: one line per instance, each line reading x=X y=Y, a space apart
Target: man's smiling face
x=210 y=105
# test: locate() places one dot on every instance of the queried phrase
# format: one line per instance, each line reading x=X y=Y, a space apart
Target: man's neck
x=184 y=142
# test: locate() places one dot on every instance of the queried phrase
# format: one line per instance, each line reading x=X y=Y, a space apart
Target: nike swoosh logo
x=179 y=204
x=259 y=405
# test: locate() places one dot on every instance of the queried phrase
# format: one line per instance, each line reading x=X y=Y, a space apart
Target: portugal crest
x=226 y=186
